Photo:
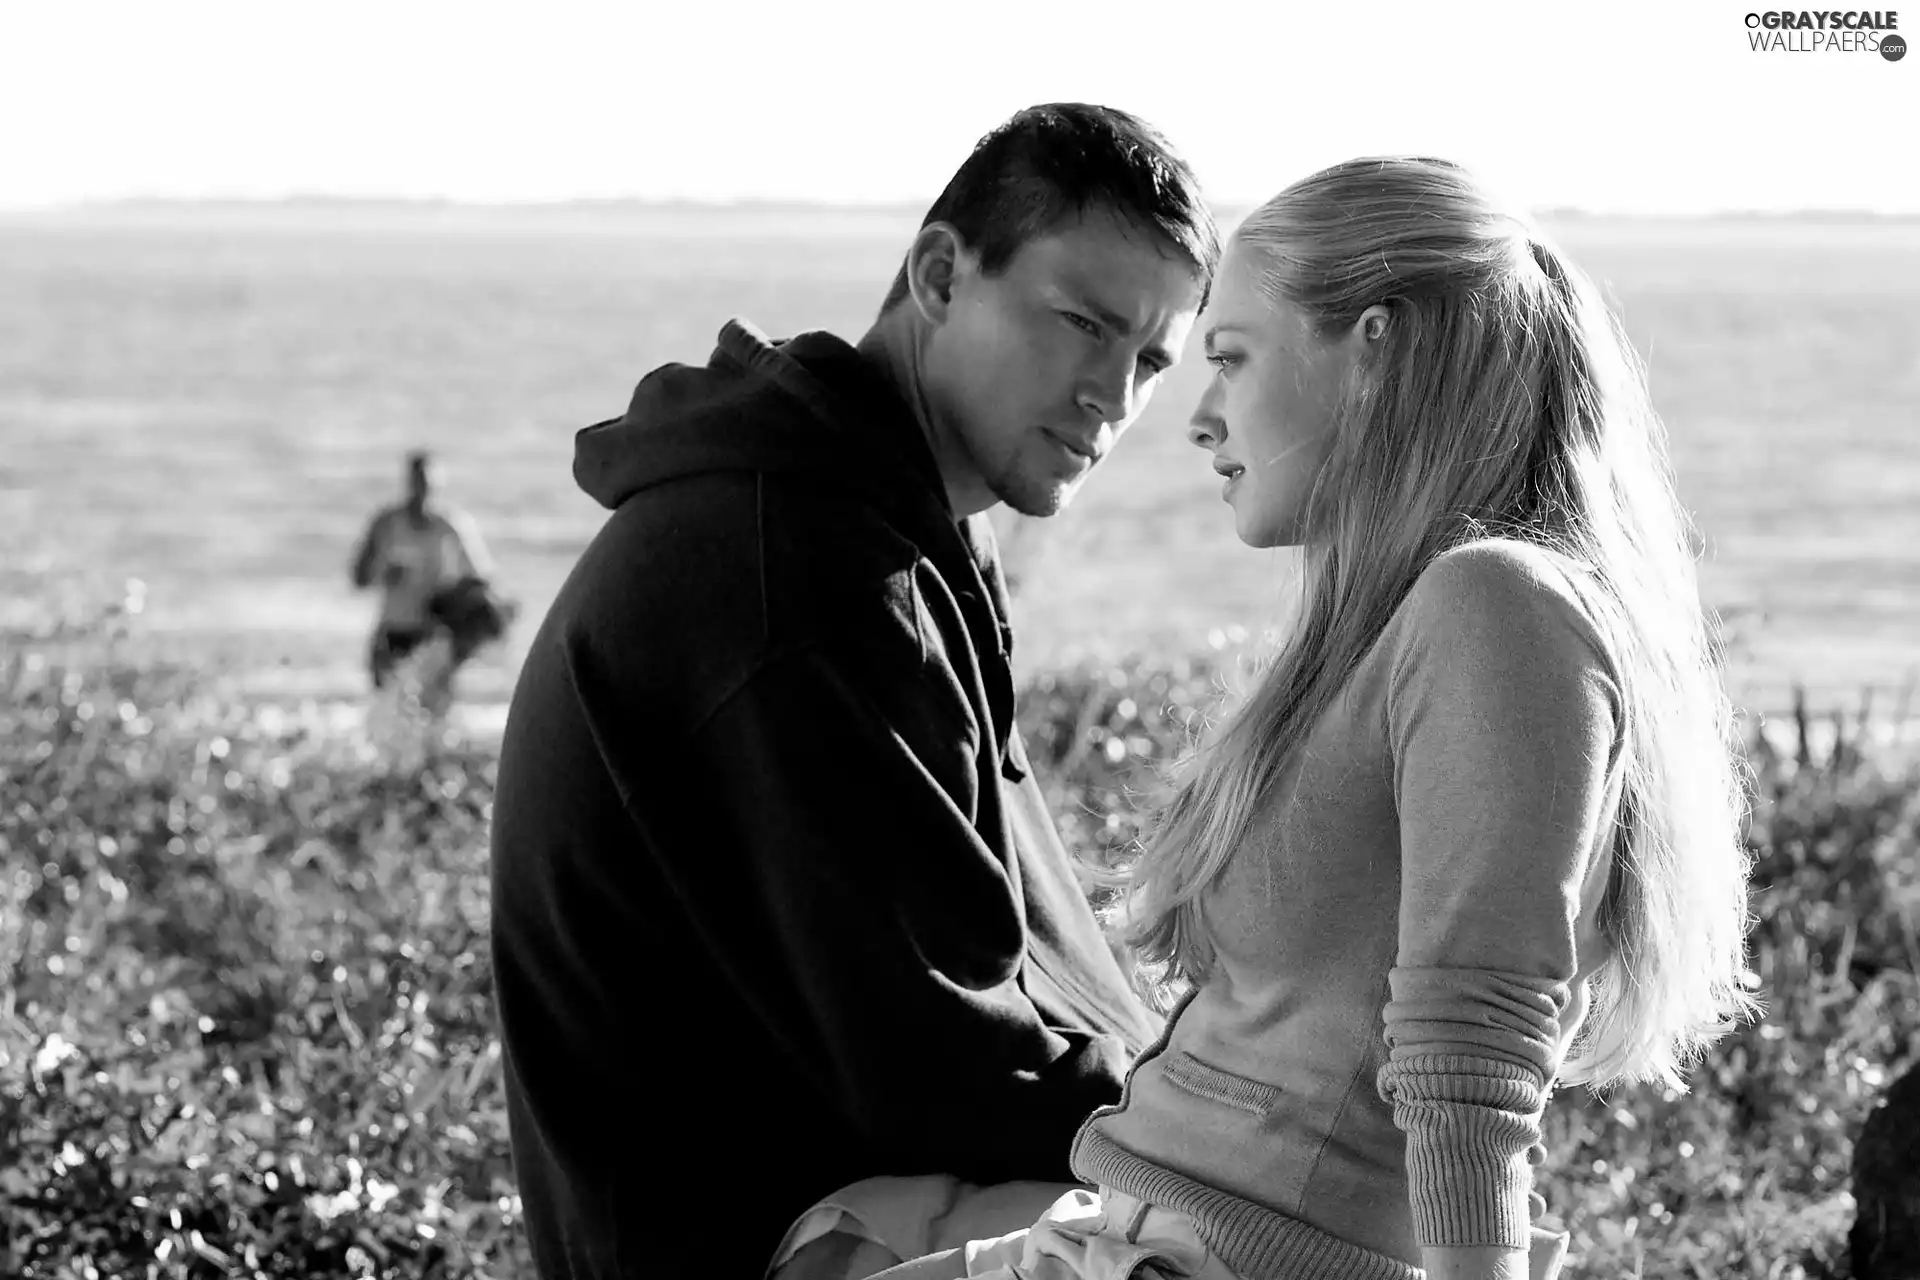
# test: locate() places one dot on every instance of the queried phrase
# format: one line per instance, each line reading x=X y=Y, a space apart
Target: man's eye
x=1081 y=322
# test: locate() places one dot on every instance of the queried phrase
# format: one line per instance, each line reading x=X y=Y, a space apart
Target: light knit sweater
x=1403 y=947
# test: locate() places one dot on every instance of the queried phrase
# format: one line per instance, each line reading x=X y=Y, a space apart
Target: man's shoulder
x=788 y=515
x=384 y=517
x=667 y=557
x=692 y=510
x=743 y=557
x=445 y=516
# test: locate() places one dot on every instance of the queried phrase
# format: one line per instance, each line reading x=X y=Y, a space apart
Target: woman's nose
x=1207 y=429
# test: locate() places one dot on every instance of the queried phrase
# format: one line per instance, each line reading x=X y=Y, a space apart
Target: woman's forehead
x=1239 y=301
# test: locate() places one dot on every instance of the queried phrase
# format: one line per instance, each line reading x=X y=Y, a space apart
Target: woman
x=1475 y=829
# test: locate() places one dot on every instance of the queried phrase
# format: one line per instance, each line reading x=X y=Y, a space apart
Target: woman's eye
x=1223 y=360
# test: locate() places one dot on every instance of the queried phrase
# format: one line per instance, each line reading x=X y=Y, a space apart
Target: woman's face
x=1267 y=416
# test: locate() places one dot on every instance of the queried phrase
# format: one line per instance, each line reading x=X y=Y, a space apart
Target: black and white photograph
x=1030 y=641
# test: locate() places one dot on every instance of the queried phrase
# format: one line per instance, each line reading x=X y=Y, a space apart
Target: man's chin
x=1037 y=499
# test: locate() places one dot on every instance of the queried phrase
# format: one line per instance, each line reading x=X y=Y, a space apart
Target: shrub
x=247 y=1023
x=248 y=1026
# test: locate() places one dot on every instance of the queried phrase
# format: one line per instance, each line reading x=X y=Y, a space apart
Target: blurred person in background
x=1475 y=831
x=431 y=568
x=792 y=971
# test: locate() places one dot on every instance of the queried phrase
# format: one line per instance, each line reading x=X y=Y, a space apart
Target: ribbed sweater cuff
x=1473 y=1136
x=1251 y=1239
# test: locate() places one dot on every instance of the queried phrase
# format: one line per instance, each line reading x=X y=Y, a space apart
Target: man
x=425 y=557
x=777 y=904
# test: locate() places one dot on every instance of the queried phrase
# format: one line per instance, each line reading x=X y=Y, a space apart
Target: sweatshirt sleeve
x=822 y=842
x=1503 y=717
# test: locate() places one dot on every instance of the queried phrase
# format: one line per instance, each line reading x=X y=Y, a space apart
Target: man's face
x=1034 y=372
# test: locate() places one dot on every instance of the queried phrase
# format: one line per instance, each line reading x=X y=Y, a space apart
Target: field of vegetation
x=245 y=1022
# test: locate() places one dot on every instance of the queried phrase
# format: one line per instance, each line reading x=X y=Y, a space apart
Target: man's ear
x=936 y=260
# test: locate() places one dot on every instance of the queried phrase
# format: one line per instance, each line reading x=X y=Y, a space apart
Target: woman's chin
x=1249 y=525
x=1261 y=537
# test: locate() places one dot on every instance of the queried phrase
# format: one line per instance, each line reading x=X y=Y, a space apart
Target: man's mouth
x=1087 y=451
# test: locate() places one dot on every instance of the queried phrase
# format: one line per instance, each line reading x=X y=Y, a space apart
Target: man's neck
x=894 y=346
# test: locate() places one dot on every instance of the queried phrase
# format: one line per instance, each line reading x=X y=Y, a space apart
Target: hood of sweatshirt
x=810 y=404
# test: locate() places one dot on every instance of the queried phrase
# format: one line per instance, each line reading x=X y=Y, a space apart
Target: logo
x=1827 y=31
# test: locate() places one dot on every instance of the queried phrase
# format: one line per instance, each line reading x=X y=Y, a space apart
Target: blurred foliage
x=246 y=1024
x=246 y=1027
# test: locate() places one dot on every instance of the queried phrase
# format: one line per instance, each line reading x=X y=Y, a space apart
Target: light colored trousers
x=938 y=1228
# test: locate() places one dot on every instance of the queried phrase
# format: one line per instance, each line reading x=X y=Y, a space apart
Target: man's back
x=776 y=906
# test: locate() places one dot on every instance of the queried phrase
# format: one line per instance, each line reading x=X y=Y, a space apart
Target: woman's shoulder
x=1504 y=591
x=1503 y=574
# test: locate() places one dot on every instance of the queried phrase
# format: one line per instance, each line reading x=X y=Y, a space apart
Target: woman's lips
x=1231 y=471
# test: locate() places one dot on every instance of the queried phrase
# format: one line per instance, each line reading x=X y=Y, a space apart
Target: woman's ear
x=935 y=261
x=1372 y=324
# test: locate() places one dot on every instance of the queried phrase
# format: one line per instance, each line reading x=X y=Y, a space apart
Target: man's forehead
x=1095 y=234
x=1118 y=272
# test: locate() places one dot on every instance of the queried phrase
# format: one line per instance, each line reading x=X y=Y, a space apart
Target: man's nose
x=1107 y=390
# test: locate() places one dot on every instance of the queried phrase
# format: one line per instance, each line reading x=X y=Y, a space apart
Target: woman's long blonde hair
x=1504 y=400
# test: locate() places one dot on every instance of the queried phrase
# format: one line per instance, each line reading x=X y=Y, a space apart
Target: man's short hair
x=1052 y=162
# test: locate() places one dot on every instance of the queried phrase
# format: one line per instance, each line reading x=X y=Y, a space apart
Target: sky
x=1644 y=106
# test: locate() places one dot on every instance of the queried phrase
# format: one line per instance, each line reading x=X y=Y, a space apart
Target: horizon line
x=794 y=204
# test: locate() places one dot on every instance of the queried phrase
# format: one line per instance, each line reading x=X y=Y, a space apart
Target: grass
x=246 y=1028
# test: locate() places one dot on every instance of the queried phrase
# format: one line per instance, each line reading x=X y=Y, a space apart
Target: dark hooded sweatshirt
x=777 y=905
